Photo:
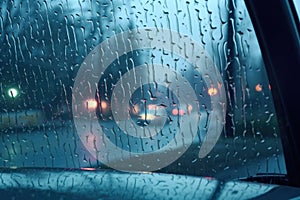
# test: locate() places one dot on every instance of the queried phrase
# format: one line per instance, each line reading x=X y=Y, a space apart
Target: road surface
x=58 y=145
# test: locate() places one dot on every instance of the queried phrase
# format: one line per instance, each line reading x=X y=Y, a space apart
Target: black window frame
x=277 y=27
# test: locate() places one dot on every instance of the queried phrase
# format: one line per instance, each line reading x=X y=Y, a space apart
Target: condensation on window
x=45 y=45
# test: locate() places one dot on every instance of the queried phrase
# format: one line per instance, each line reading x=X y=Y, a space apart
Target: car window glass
x=176 y=87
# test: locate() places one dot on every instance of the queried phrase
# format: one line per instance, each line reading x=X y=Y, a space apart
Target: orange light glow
x=152 y=106
x=190 y=108
x=258 y=88
x=175 y=111
x=91 y=104
x=212 y=91
x=180 y=112
x=146 y=117
x=209 y=178
x=136 y=109
x=104 y=105
x=88 y=169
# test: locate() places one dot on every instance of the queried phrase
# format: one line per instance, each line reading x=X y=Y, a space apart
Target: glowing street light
x=104 y=105
x=258 y=88
x=13 y=92
x=212 y=91
x=91 y=104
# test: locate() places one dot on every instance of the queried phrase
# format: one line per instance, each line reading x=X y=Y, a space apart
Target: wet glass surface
x=74 y=72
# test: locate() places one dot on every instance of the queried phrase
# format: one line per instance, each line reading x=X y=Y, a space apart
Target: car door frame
x=277 y=27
